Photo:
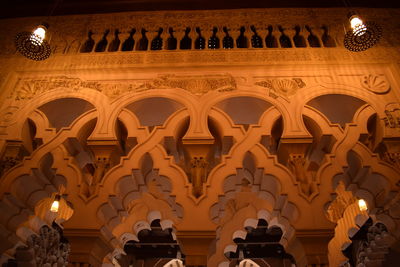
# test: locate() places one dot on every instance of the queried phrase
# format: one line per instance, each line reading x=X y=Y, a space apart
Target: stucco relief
x=392 y=119
x=282 y=87
x=198 y=85
x=377 y=84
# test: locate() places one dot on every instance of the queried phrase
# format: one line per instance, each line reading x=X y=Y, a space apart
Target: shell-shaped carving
x=283 y=87
x=375 y=83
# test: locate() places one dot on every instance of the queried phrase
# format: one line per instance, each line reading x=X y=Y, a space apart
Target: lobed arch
x=184 y=99
x=250 y=142
x=350 y=219
x=138 y=200
x=54 y=145
x=250 y=194
x=344 y=93
x=35 y=103
x=151 y=146
x=211 y=101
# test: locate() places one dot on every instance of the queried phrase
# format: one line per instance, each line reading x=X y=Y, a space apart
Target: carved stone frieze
x=282 y=87
x=195 y=84
x=29 y=88
x=375 y=83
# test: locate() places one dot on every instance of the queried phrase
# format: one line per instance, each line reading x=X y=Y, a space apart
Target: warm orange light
x=56 y=204
x=362 y=205
x=38 y=35
x=357 y=25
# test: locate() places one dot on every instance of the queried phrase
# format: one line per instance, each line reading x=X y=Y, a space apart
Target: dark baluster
x=270 y=40
x=102 y=44
x=186 y=42
x=227 y=42
x=171 y=41
x=327 y=40
x=114 y=45
x=200 y=42
x=157 y=42
x=143 y=42
x=129 y=43
x=213 y=42
x=256 y=40
x=284 y=39
x=298 y=39
x=88 y=45
x=312 y=39
x=241 y=41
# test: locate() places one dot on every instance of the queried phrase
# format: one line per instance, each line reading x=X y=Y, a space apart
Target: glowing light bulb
x=357 y=25
x=362 y=205
x=56 y=204
x=38 y=35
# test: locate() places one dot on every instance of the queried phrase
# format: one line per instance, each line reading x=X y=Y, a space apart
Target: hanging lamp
x=34 y=45
x=362 y=35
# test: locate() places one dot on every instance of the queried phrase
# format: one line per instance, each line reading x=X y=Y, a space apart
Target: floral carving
x=195 y=84
x=375 y=83
x=282 y=87
x=30 y=88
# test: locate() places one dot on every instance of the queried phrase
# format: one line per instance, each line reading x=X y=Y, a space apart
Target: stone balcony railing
x=198 y=30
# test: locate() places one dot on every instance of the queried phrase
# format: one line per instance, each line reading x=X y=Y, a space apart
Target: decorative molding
x=377 y=84
x=198 y=85
x=282 y=87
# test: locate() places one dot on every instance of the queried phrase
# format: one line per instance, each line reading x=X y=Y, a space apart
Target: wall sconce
x=33 y=45
x=362 y=35
x=56 y=203
x=362 y=205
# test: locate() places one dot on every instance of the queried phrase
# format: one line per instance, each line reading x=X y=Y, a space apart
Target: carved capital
x=104 y=152
x=305 y=177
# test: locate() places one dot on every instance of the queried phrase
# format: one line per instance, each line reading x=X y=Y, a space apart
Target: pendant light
x=362 y=35
x=34 y=45
x=56 y=203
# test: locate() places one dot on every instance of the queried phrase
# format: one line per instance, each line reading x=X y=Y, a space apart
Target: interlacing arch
x=153 y=160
